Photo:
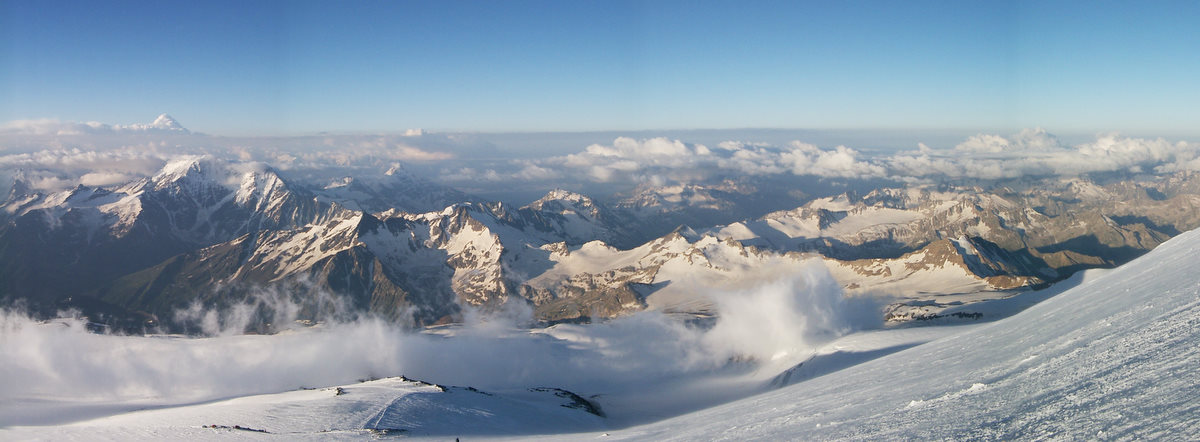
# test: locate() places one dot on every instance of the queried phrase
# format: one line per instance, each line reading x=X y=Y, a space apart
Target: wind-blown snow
x=1114 y=357
x=646 y=366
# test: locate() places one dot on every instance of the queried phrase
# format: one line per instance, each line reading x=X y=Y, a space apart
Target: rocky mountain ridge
x=215 y=233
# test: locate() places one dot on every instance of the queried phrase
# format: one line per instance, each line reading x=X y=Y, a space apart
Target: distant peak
x=561 y=199
x=565 y=195
x=20 y=186
x=396 y=170
x=165 y=121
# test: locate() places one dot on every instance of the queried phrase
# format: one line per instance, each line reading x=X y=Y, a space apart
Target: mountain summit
x=165 y=122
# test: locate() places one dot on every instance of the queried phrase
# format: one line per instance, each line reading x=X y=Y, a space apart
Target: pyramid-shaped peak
x=165 y=121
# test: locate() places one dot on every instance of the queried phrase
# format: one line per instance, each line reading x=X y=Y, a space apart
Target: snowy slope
x=386 y=407
x=1114 y=357
x=1111 y=357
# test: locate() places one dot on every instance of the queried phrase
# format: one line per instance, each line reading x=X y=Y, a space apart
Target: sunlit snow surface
x=1114 y=355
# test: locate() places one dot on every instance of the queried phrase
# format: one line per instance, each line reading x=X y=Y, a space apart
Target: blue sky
x=270 y=68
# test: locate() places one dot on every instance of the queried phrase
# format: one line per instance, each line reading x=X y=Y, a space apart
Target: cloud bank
x=53 y=155
x=659 y=160
x=646 y=353
x=1037 y=153
x=662 y=161
x=164 y=124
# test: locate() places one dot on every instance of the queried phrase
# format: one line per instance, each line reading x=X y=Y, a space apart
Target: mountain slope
x=149 y=245
x=99 y=234
x=1114 y=357
x=1052 y=231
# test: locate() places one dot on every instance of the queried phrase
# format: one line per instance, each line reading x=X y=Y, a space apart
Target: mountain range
x=217 y=232
x=1104 y=354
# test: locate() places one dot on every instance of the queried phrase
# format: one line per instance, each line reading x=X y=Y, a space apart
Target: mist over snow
x=785 y=319
x=764 y=330
x=641 y=366
x=1112 y=355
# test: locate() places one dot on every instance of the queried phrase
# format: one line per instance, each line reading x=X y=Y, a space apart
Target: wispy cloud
x=631 y=355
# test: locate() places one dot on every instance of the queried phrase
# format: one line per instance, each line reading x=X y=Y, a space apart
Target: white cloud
x=779 y=323
x=57 y=169
x=470 y=174
x=100 y=179
x=357 y=150
x=1036 y=139
x=661 y=159
x=50 y=126
x=57 y=154
x=534 y=172
x=806 y=159
x=1034 y=152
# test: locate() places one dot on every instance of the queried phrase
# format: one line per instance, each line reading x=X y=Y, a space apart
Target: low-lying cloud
x=660 y=161
x=52 y=155
x=50 y=126
x=60 y=360
x=1039 y=154
x=657 y=161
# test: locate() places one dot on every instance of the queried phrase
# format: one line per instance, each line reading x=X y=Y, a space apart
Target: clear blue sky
x=264 y=67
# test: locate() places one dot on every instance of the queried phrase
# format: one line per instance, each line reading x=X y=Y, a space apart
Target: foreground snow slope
x=1116 y=356
x=384 y=407
x=1112 y=356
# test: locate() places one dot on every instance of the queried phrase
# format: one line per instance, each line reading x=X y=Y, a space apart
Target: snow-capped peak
x=180 y=167
x=397 y=170
x=559 y=194
x=560 y=200
x=165 y=121
x=20 y=184
x=206 y=171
